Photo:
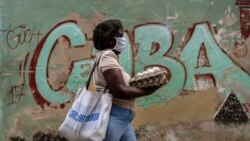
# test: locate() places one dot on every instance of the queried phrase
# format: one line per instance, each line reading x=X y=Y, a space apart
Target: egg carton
x=149 y=78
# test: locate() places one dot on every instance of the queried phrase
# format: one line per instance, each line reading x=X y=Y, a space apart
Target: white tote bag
x=88 y=117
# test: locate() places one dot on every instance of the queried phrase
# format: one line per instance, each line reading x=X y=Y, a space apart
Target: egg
x=150 y=70
x=156 y=69
x=139 y=74
x=144 y=72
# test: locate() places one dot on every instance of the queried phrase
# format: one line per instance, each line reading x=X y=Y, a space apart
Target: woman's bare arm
x=118 y=88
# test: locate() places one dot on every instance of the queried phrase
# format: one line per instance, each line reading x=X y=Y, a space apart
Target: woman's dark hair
x=106 y=31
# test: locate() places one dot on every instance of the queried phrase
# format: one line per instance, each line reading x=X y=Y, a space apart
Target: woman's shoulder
x=109 y=53
x=108 y=59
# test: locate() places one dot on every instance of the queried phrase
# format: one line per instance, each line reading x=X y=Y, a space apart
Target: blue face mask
x=120 y=45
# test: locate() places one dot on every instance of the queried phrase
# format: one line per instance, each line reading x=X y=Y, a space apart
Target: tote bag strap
x=93 y=69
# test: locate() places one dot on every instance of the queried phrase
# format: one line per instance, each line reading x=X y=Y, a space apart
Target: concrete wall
x=47 y=53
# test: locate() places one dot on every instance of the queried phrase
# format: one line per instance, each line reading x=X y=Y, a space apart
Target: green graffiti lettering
x=79 y=74
x=227 y=75
x=145 y=37
x=76 y=38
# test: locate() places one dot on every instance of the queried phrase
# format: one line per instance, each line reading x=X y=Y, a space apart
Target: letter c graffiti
x=41 y=90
